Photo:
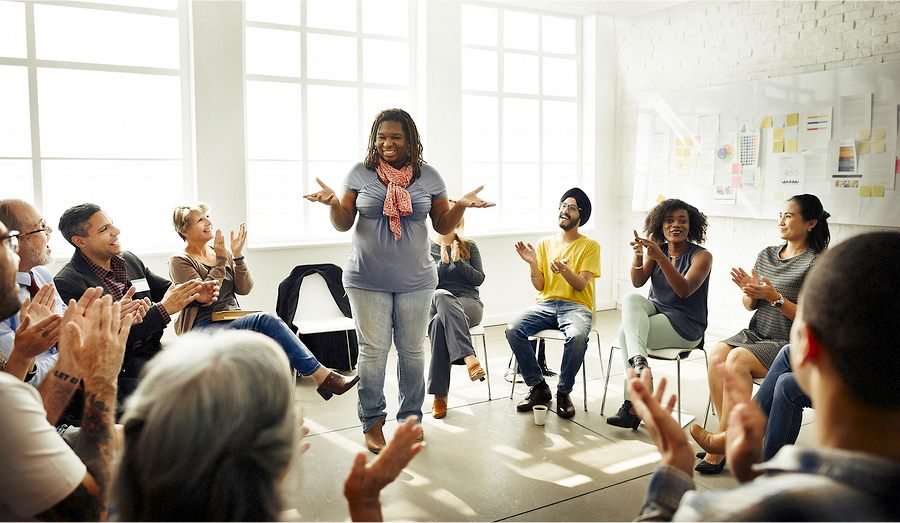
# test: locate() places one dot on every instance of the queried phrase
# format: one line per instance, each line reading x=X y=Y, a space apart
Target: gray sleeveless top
x=687 y=315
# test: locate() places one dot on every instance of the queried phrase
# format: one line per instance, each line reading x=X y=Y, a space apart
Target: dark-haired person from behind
x=771 y=290
x=675 y=313
x=844 y=349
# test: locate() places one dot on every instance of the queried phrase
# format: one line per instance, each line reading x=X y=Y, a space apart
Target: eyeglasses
x=42 y=229
x=11 y=240
x=568 y=206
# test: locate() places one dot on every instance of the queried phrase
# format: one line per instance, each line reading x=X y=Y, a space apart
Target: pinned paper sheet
x=778 y=134
x=766 y=122
x=778 y=146
x=877 y=147
x=878 y=191
x=878 y=134
x=736 y=168
x=791 y=146
x=864 y=135
x=864 y=148
x=736 y=181
x=793 y=119
x=865 y=191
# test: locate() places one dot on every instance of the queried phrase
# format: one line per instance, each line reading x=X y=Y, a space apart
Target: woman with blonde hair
x=455 y=308
x=216 y=262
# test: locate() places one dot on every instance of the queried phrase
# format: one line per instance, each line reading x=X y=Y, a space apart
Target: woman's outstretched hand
x=238 y=241
x=326 y=195
x=471 y=199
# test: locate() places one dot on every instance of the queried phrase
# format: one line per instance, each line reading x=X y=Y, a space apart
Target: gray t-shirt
x=377 y=262
x=688 y=316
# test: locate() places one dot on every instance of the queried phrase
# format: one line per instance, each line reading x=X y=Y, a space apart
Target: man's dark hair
x=696 y=226
x=850 y=301
x=73 y=222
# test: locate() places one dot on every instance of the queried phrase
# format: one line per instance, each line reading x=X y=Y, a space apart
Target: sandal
x=475 y=371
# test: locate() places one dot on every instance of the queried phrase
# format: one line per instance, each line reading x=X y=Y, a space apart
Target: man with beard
x=563 y=268
x=43 y=478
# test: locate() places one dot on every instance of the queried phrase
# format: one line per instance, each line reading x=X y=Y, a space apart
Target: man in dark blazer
x=100 y=262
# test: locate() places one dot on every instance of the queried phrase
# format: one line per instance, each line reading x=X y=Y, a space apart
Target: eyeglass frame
x=42 y=229
x=569 y=207
x=11 y=240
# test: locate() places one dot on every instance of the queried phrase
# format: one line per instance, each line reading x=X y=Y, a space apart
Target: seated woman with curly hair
x=674 y=315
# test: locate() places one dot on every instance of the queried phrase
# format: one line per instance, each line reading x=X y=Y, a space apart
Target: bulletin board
x=742 y=149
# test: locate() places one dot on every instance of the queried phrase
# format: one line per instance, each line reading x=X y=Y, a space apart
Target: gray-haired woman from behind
x=211 y=431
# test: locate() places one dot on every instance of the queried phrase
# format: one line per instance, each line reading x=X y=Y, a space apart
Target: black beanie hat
x=583 y=203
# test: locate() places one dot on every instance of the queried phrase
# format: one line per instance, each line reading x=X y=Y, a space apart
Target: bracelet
x=541 y=275
x=239 y=258
x=638 y=267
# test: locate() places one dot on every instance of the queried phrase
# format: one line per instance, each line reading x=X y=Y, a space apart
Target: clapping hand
x=526 y=252
x=746 y=427
x=209 y=291
x=219 y=245
x=238 y=240
x=138 y=308
x=365 y=482
x=654 y=251
x=326 y=195
x=471 y=199
x=38 y=324
x=559 y=266
x=760 y=288
x=636 y=245
x=668 y=435
x=740 y=277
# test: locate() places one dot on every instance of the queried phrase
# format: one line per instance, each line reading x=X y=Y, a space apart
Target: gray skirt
x=765 y=350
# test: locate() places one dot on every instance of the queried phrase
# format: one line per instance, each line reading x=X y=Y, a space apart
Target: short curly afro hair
x=696 y=220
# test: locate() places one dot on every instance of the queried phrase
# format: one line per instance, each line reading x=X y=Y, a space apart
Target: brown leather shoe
x=439 y=408
x=475 y=372
x=375 y=437
x=336 y=384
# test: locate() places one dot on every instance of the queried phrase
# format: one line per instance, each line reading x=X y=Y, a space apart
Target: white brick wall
x=700 y=44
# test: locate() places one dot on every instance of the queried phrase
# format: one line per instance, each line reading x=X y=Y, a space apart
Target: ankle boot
x=374 y=437
x=638 y=363
x=624 y=418
x=336 y=384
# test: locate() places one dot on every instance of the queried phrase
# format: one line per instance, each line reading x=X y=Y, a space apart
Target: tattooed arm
x=100 y=340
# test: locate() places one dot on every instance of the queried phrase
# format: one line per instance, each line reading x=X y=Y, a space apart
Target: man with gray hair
x=228 y=396
x=42 y=477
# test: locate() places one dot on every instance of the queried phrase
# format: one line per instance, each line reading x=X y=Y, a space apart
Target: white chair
x=558 y=335
x=664 y=354
x=317 y=311
x=474 y=332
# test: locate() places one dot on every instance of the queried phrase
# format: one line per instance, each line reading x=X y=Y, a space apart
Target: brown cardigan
x=182 y=268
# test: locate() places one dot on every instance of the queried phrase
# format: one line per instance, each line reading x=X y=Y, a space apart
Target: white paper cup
x=540 y=414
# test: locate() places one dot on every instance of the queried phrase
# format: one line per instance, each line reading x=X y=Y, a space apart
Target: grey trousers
x=448 y=331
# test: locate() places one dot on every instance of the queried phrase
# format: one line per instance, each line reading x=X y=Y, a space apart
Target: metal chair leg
x=487 y=367
x=349 y=356
x=606 y=381
x=678 y=366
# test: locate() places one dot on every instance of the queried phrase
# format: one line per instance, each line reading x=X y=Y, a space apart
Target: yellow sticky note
x=878 y=191
x=778 y=147
x=864 y=136
x=688 y=141
x=679 y=142
x=878 y=133
x=679 y=152
x=793 y=119
x=865 y=191
x=864 y=148
x=878 y=147
x=766 y=122
x=660 y=198
x=778 y=135
x=791 y=146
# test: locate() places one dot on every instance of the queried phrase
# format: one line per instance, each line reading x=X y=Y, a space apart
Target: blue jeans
x=782 y=400
x=379 y=317
x=573 y=319
x=273 y=327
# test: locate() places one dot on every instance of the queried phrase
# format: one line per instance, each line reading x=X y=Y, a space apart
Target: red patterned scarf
x=397 y=203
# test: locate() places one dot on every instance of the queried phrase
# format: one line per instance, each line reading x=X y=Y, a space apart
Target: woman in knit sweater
x=455 y=308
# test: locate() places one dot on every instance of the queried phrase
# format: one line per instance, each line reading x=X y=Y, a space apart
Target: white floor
x=486 y=462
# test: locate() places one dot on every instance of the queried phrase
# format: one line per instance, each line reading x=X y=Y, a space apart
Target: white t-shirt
x=39 y=470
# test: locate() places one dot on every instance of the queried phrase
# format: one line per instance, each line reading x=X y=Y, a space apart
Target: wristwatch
x=779 y=303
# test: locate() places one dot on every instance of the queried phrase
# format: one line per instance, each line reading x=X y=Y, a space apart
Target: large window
x=521 y=107
x=93 y=109
x=317 y=73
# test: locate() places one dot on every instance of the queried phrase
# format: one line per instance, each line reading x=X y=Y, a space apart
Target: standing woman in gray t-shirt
x=771 y=289
x=389 y=275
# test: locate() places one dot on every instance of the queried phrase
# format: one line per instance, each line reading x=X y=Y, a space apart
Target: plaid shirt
x=798 y=484
x=116 y=280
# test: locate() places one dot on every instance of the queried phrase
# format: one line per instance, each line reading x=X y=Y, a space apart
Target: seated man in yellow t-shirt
x=563 y=268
